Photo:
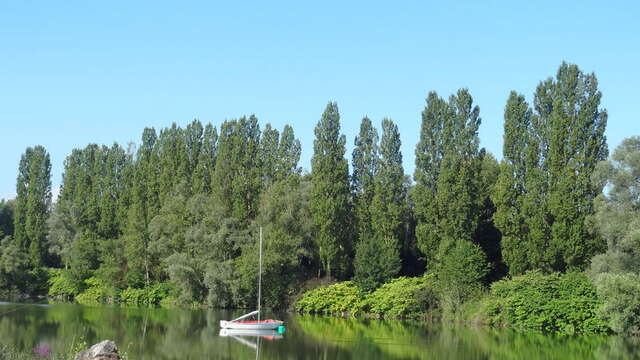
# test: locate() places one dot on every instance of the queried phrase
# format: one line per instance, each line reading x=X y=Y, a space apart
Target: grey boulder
x=105 y=350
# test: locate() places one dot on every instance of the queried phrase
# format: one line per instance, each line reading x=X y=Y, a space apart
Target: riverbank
x=565 y=303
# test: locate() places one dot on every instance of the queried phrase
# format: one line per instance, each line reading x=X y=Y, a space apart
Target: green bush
x=403 y=297
x=152 y=295
x=61 y=284
x=460 y=275
x=560 y=302
x=340 y=298
x=95 y=293
x=621 y=301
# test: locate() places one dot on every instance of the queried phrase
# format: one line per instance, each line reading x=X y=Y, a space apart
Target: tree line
x=183 y=207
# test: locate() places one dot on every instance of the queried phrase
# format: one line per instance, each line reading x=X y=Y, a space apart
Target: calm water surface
x=194 y=334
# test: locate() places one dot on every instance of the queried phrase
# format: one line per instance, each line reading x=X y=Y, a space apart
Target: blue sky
x=80 y=72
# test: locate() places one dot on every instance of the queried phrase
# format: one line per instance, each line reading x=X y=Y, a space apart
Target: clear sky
x=80 y=72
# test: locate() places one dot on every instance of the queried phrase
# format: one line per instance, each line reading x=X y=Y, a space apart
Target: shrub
x=403 y=297
x=61 y=284
x=152 y=295
x=621 y=301
x=562 y=302
x=460 y=275
x=96 y=292
x=340 y=298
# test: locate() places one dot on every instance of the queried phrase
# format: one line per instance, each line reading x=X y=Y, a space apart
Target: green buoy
x=281 y=329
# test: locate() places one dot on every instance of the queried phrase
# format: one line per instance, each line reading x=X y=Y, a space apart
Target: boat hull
x=270 y=334
x=253 y=325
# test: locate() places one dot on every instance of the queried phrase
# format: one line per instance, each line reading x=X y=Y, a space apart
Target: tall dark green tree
x=237 y=180
x=576 y=144
x=448 y=167
x=33 y=203
x=288 y=154
x=206 y=162
x=330 y=203
x=269 y=142
x=511 y=186
x=378 y=256
x=365 y=160
x=6 y=217
x=428 y=157
x=173 y=159
x=545 y=194
x=144 y=207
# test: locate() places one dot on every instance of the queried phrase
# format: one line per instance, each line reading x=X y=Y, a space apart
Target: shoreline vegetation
x=530 y=241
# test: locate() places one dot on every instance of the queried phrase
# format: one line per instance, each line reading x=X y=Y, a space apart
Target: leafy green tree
x=194 y=144
x=237 y=180
x=448 y=173
x=429 y=153
x=545 y=194
x=206 y=162
x=64 y=228
x=33 y=203
x=487 y=235
x=365 y=159
x=288 y=154
x=510 y=189
x=330 y=202
x=378 y=256
x=460 y=274
x=172 y=159
x=577 y=143
x=144 y=206
x=84 y=257
x=269 y=142
x=617 y=271
x=287 y=244
x=14 y=264
x=6 y=217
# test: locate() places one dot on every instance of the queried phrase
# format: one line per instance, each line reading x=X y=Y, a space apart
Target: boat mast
x=260 y=275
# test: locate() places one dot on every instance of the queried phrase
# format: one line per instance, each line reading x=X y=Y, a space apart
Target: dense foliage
x=617 y=271
x=341 y=298
x=545 y=193
x=176 y=218
x=401 y=297
x=330 y=195
x=563 y=302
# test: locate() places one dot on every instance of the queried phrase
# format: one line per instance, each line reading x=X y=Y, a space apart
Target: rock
x=105 y=350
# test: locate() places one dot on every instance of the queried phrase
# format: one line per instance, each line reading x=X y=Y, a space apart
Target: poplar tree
x=576 y=144
x=193 y=137
x=545 y=193
x=144 y=206
x=173 y=162
x=203 y=172
x=269 y=142
x=428 y=157
x=288 y=154
x=237 y=181
x=330 y=193
x=248 y=184
x=365 y=159
x=510 y=189
x=33 y=203
x=447 y=196
x=378 y=256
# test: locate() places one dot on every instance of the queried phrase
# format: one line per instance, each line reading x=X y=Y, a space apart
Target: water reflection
x=194 y=334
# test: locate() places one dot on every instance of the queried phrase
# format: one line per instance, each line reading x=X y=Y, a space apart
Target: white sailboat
x=257 y=325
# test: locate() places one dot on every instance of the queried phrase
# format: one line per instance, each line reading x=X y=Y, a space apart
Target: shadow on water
x=194 y=334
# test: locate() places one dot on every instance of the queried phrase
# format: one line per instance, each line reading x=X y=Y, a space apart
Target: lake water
x=194 y=334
